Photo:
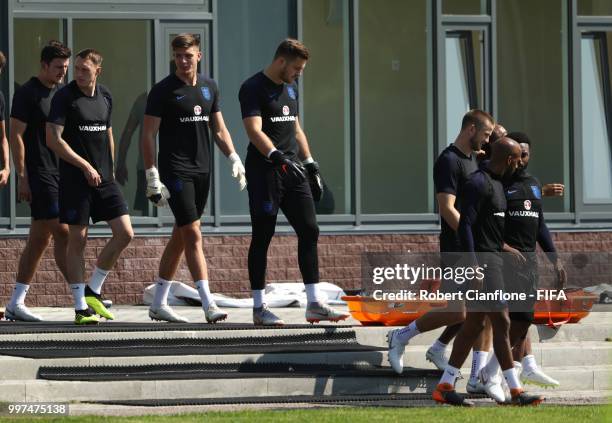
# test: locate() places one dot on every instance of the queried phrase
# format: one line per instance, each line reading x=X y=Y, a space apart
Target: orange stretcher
x=554 y=313
x=371 y=312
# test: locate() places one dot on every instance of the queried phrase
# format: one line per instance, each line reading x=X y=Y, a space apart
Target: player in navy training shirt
x=451 y=171
x=79 y=130
x=481 y=231
x=281 y=174
x=182 y=108
x=37 y=173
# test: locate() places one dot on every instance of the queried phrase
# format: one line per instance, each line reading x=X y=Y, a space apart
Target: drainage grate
x=227 y=371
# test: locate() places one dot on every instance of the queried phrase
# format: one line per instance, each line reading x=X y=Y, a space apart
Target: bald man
x=481 y=233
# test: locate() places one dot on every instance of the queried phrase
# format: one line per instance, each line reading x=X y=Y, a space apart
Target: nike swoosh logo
x=180 y=97
x=512 y=192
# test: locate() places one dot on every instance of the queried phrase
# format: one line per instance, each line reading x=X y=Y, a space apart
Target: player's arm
x=150 y=127
x=448 y=212
x=6 y=170
x=553 y=190
x=253 y=126
x=548 y=246
x=446 y=181
x=18 y=150
x=302 y=141
x=470 y=206
x=64 y=152
x=111 y=143
x=223 y=140
x=157 y=192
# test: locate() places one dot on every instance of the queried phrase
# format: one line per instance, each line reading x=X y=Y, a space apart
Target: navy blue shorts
x=45 y=196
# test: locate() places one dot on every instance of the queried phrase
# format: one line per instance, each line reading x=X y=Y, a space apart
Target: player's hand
x=93 y=177
x=4 y=176
x=553 y=190
x=24 y=193
x=561 y=275
x=288 y=169
x=314 y=178
x=238 y=171
x=121 y=174
x=516 y=255
x=157 y=192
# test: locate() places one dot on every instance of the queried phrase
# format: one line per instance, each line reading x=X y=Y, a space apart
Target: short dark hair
x=478 y=118
x=2 y=61
x=185 y=40
x=91 y=54
x=291 y=49
x=54 y=50
x=519 y=137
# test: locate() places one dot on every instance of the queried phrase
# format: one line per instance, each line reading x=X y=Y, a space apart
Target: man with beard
x=481 y=233
x=281 y=174
x=524 y=228
x=451 y=171
x=38 y=173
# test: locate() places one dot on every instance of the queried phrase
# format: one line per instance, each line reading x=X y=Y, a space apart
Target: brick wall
x=339 y=261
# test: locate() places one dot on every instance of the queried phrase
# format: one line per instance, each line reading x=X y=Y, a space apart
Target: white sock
x=258 y=297
x=450 y=375
x=438 y=347
x=78 y=293
x=479 y=360
x=205 y=294
x=97 y=279
x=529 y=363
x=19 y=294
x=162 y=288
x=407 y=333
x=492 y=367
x=312 y=292
x=512 y=379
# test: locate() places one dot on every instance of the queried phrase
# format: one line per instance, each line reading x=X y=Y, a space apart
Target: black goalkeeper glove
x=291 y=173
x=315 y=181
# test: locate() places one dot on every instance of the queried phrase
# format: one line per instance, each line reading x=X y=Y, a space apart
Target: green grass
x=561 y=414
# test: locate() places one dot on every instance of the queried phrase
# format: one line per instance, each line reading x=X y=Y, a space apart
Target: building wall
x=339 y=259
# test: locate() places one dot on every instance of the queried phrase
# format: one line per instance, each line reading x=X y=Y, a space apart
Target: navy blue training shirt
x=278 y=107
x=185 y=112
x=86 y=121
x=483 y=208
x=31 y=105
x=525 y=225
x=451 y=172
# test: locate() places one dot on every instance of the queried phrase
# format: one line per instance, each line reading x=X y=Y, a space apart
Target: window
x=249 y=32
x=464 y=7
x=31 y=35
x=532 y=94
x=596 y=118
x=395 y=176
x=464 y=82
x=327 y=96
x=127 y=71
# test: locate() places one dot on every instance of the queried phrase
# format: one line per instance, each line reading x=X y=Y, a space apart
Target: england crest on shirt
x=206 y=93
x=536 y=191
x=291 y=93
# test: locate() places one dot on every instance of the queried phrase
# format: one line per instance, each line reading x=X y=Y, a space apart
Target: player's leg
x=168 y=265
x=38 y=240
x=445 y=390
x=77 y=239
x=298 y=206
x=264 y=197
